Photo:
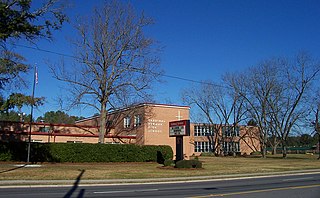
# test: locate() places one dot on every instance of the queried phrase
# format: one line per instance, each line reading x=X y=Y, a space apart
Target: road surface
x=306 y=185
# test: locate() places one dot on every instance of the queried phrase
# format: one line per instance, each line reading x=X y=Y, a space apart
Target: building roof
x=138 y=105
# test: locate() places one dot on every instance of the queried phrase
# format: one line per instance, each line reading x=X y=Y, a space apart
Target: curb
x=68 y=183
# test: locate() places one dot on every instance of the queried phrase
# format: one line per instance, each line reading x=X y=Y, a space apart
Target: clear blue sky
x=203 y=39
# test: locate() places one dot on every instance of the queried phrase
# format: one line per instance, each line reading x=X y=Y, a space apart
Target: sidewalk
x=56 y=183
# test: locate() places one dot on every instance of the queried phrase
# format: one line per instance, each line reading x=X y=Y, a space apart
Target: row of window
x=205 y=147
x=227 y=131
x=203 y=130
x=231 y=146
x=137 y=121
x=230 y=131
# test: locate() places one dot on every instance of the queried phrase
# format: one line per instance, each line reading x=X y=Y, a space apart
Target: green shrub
x=188 y=164
x=208 y=154
x=168 y=162
x=255 y=153
x=5 y=156
x=69 y=152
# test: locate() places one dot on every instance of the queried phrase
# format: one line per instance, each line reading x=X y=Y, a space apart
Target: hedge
x=188 y=164
x=84 y=152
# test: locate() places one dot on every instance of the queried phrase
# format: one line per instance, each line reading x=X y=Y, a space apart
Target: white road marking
x=125 y=191
x=297 y=179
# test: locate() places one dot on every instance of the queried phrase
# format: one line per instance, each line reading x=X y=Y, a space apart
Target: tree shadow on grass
x=12 y=169
x=75 y=186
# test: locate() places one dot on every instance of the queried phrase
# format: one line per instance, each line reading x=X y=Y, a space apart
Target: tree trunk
x=275 y=145
x=274 y=149
x=234 y=154
x=103 y=121
x=284 y=150
x=263 y=150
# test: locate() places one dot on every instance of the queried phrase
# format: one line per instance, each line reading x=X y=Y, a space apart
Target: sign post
x=179 y=129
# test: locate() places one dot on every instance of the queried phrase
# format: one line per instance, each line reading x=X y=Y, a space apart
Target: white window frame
x=126 y=122
x=237 y=131
x=137 y=120
x=203 y=130
x=227 y=146
x=202 y=147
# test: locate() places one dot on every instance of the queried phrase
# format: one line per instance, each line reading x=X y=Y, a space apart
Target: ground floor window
x=231 y=146
x=203 y=147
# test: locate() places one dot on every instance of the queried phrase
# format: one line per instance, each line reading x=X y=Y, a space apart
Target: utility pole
x=35 y=81
x=317 y=128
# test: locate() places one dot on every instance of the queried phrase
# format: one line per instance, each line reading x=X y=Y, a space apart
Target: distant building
x=143 y=124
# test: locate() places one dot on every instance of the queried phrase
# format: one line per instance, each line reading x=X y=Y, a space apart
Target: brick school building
x=142 y=124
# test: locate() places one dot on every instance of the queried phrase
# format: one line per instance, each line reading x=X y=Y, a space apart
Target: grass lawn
x=211 y=166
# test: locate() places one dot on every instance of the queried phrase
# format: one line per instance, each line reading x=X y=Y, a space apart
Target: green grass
x=212 y=166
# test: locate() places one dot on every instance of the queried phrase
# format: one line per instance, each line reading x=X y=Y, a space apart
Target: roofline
x=68 y=135
x=167 y=105
x=49 y=124
x=138 y=105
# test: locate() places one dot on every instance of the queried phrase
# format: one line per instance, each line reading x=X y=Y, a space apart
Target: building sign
x=155 y=126
x=179 y=128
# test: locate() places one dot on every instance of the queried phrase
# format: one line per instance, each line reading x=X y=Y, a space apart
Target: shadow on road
x=75 y=186
x=15 y=168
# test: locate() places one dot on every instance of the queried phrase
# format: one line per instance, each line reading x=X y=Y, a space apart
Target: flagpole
x=35 y=79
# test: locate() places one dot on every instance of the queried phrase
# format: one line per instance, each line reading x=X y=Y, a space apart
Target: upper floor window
x=231 y=131
x=237 y=131
x=203 y=130
x=226 y=130
x=137 y=120
x=126 y=122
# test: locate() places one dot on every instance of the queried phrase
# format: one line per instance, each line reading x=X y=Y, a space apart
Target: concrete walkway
x=56 y=183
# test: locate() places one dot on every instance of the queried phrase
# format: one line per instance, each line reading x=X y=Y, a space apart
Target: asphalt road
x=307 y=186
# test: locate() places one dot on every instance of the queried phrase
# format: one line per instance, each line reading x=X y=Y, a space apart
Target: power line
x=78 y=58
x=47 y=51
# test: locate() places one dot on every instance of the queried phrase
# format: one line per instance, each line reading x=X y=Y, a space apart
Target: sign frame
x=179 y=128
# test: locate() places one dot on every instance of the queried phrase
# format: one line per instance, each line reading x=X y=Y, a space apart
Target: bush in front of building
x=5 y=156
x=207 y=154
x=188 y=164
x=13 y=151
x=169 y=162
x=255 y=153
x=81 y=152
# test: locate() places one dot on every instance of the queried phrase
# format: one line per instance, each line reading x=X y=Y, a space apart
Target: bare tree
x=255 y=86
x=275 y=91
x=116 y=61
x=289 y=106
x=221 y=108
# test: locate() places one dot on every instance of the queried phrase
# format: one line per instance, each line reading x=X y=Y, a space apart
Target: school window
x=231 y=146
x=237 y=131
x=230 y=131
x=126 y=122
x=203 y=147
x=74 y=141
x=137 y=120
x=203 y=130
x=226 y=130
x=196 y=132
x=44 y=129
